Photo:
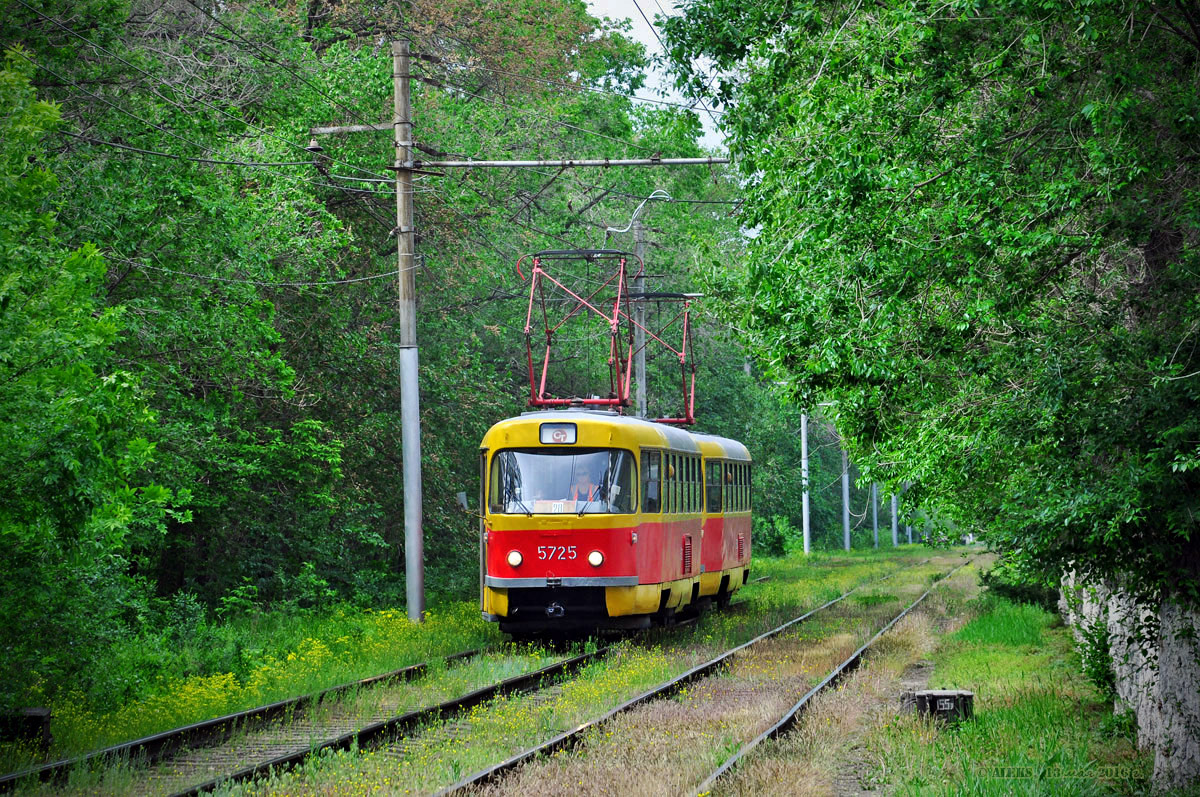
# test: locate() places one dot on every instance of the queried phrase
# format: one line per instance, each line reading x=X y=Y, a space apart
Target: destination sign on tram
x=561 y=434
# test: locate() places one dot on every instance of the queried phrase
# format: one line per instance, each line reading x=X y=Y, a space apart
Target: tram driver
x=584 y=487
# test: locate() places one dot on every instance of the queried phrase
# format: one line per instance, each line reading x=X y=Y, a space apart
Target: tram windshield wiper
x=521 y=504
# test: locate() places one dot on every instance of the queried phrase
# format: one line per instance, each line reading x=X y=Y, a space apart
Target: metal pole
x=845 y=500
x=875 y=512
x=569 y=163
x=804 y=481
x=895 y=522
x=410 y=416
x=639 y=317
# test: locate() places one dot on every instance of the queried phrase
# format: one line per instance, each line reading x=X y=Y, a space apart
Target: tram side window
x=727 y=485
x=664 y=501
x=740 y=478
x=675 y=483
x=679 y=483
x=688 y=499
x=731 y=483
x=693 y=492
x=735 y=487
x=650 y=482
x=749 y=487
x=687 y=484
x=745 y=469
x=713 y=487
x=669 y=503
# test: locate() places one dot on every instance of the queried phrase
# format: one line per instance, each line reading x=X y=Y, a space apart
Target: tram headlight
x=595 y=559
x=515 y=558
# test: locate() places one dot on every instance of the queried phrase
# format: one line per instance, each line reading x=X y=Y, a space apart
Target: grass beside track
x=1039 y=727
x=668 y=746
x=348 y=645
x=446 y=752
x=294 y=657
x=358 y=708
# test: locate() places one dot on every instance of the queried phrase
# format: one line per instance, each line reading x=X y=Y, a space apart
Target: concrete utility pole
x=875 y=512
x=404 y=166
x=895 y=522
x=845 y=500
x=804 y=481
x=639 y=318
x=410 y=416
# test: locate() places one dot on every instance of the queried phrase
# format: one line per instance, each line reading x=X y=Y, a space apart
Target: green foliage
x=1095 y=652
x=1010 y=581
x=1121 y=725
x=72 y=467
x=978 y=237
x=775 y=536
x=1001 y=622
x=204 y=336
x=1038 y=728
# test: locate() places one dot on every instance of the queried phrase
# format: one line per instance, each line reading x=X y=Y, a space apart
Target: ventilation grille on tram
x=687 y=554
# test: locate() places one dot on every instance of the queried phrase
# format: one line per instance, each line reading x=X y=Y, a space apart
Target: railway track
x=789 y=718
x=161 y=745
x=494 y=775
x=270 y=739
x=241 y=746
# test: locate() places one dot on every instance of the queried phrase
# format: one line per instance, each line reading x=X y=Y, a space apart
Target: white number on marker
x=557 y=552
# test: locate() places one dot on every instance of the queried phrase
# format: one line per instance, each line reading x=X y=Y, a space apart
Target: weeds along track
x=788 y=720
x=150 y=749
x=241 y=746
x=693 y=728
x=391 y=718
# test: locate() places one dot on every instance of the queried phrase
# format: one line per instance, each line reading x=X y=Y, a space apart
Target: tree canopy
x=200 y=313
x=977 y=230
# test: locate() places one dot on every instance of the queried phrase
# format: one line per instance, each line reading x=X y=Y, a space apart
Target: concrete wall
x=1155 y=652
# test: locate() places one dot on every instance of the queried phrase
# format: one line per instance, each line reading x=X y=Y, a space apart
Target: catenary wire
x=501 y=103
x=268 y=59
x=173 y=156
x=291 y=143
x=654 y=30
x=118 y=108
x=186 y=94
x=562 y=83
x=143 y=151
x=250 y=164
x=212 y=278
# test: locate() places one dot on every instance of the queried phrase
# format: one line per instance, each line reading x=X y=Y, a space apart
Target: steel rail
x=786 y=722
x=665 y=689
x=396 y=725
x=158 y=746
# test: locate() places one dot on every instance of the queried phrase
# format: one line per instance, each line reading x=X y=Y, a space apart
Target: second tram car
x=594 y=520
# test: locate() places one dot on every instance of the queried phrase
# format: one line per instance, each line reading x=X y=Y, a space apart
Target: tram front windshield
x=579 y=481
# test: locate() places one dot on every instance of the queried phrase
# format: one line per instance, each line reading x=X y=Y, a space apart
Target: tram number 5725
x=557 y=552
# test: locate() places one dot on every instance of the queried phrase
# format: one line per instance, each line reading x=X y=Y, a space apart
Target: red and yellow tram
x=596 y=520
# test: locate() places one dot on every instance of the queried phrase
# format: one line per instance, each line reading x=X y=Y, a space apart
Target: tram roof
x=729 y=449
x=646 y=431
